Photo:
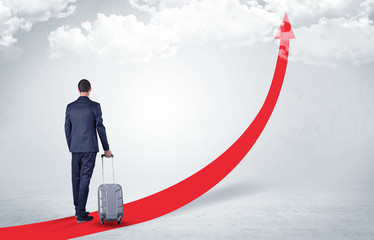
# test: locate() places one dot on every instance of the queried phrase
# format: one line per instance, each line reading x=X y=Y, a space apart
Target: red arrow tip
x=285 y=30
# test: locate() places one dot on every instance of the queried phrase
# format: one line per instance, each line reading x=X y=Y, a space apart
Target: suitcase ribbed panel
x=110 y=202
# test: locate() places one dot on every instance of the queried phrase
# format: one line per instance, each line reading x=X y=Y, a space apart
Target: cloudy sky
x=179 y=81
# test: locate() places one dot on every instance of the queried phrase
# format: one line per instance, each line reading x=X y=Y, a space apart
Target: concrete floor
x=242 y=210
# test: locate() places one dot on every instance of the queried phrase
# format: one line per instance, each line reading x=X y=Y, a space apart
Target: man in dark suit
x=82 y=120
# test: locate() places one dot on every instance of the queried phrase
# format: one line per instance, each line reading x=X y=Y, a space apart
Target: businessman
x=82 y=120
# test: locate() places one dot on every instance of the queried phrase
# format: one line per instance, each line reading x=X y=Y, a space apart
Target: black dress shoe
x=86 y=213
x=84 y=219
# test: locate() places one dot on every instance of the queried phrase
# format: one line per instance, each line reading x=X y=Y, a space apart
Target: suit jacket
x=82 y=119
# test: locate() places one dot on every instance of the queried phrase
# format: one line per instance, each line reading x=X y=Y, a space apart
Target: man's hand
x=108 y=153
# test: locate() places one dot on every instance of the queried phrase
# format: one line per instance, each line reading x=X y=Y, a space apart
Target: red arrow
x=182 y=193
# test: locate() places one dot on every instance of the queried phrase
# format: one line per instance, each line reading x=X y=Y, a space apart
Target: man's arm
x=101 y=131
x=67 y=127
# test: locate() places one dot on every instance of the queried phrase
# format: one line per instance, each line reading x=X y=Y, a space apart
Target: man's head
x=84 y=87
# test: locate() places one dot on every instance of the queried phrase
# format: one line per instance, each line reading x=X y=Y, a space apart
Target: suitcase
x=110 y=199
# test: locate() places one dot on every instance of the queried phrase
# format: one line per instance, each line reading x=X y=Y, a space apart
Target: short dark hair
x=84 y=85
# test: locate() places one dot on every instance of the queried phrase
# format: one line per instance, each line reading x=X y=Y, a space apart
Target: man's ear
x=79 y=91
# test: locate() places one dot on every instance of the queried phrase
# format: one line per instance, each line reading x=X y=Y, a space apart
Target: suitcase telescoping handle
x=102 y=166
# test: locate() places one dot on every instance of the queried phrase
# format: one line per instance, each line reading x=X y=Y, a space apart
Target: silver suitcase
x=110 y=199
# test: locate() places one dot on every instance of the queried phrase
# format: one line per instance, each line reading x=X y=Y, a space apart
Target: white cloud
x=335 y=40
x=20 y=15
x=157 y=5
x=224 y=21
x=327 y=31
x=306 y=12
x=199 y=22
x=120 y=37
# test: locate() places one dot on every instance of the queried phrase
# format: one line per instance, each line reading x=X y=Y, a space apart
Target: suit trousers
x=82 y=168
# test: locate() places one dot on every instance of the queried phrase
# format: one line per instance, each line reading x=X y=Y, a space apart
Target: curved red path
x=180 y=194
